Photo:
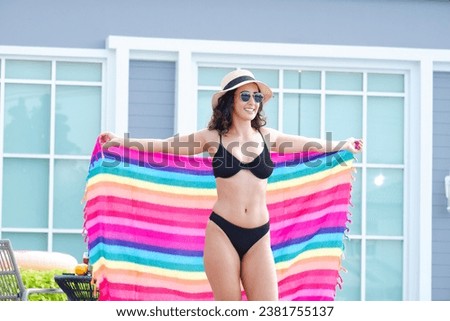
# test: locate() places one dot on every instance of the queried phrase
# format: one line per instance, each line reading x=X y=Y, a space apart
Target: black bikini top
x=226 y=165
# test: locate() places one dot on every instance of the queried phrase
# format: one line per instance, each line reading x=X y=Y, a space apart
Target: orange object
x=81 y=269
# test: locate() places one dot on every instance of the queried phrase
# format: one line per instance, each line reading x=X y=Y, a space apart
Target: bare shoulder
x=269 y=131
x=270 y=134
x=209 y=139
x=208 y=135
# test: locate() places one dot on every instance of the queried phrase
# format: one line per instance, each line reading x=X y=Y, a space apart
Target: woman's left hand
x=353 y=145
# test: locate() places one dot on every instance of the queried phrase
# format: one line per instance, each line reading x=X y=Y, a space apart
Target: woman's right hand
x=108 y=138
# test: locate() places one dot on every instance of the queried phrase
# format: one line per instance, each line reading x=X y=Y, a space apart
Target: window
x=51 y=114
x=337 y=104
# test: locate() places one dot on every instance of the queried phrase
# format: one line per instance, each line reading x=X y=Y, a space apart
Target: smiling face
x=246 y=110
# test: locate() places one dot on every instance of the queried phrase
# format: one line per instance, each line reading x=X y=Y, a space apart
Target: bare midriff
x=242 y=199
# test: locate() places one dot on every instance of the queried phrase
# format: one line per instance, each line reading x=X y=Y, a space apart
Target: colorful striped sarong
x=145 y=216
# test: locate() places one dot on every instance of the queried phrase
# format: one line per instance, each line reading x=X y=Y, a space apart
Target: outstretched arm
x=284 y=143
x=191 y=144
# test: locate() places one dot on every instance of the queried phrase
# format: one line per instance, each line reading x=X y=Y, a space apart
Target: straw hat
x=238 y=78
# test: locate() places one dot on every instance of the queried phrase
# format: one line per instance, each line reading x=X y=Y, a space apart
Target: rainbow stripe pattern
x=145 y=216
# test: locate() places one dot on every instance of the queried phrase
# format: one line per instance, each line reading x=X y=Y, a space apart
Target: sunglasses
x=257 y=97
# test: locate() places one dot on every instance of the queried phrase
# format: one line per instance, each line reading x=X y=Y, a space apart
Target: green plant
x=42 y=279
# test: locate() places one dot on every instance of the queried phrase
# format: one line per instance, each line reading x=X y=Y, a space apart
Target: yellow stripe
x=307 y=255
x=309 y=178
x=102 y=178
x=212 y=191
x=199 y=276
x=195 y=276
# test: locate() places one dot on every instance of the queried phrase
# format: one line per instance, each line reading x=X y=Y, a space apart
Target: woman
x=237 y=241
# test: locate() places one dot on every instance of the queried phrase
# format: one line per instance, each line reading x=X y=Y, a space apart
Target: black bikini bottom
x=242 y=238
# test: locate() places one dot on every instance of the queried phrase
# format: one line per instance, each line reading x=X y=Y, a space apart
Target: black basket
x=77 y=287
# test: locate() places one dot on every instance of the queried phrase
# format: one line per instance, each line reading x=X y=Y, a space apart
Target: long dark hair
x=221 y=119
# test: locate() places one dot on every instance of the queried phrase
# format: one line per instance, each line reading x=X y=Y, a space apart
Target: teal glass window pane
x=351 y=289
x=385 y=130
x=384 y=202
x=356 y=199
x=69 y=184
x=384 y=270
x=301 y=115
x=27 y=119
x=78 y=119
x=270 y=110
x=295 y=79
x=28 y=69
x=79 y=71
x=385 y=83
x=291 y=114
x=27 y=241
x=292 y=79
x=204 y=110
x=344 y=81
x=72 y=244
x=270 y=77
x=343 y=116
x=212 y=76
x=25 y=193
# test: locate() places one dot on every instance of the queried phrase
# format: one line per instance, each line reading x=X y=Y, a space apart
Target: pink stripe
x=97 y=152
x=318 y=284
x=169 y=221
x=311 y=289
x=170 y=161
x=148 y=211
x=306 y=214
x=135 y=292
x=194 y=243
x=302 y=190
x=324 y=279
x=310 y=295
x=305 y=218
x=315 y=199
x=160 y=239
x=338 y=193
x=145 y=280
x=136 y=194
x=193 y=162
x=298 y=230
x=281 y=158
x=291 y=208
x=169 y=228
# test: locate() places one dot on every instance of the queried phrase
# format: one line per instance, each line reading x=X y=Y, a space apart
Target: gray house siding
x=441 y=168
x=151 y=99
x=86 y=23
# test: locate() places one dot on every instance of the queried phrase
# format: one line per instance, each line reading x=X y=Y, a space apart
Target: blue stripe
x=181 y=179
x=331 y=240
x=306 y=238
x=146 y=258
x=181 y=176
x=146 y=247
x=284 y=173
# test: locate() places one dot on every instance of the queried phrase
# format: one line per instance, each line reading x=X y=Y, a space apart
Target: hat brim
x=264 y=89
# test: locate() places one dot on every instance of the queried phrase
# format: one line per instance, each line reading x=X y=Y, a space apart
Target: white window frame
x=417 y=64
x=52 y=55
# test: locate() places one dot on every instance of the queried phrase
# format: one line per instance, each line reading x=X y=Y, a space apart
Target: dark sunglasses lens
x=245 y=96
x=258 y=97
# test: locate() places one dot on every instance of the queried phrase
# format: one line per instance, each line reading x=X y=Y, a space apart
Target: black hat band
x=237 y=80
